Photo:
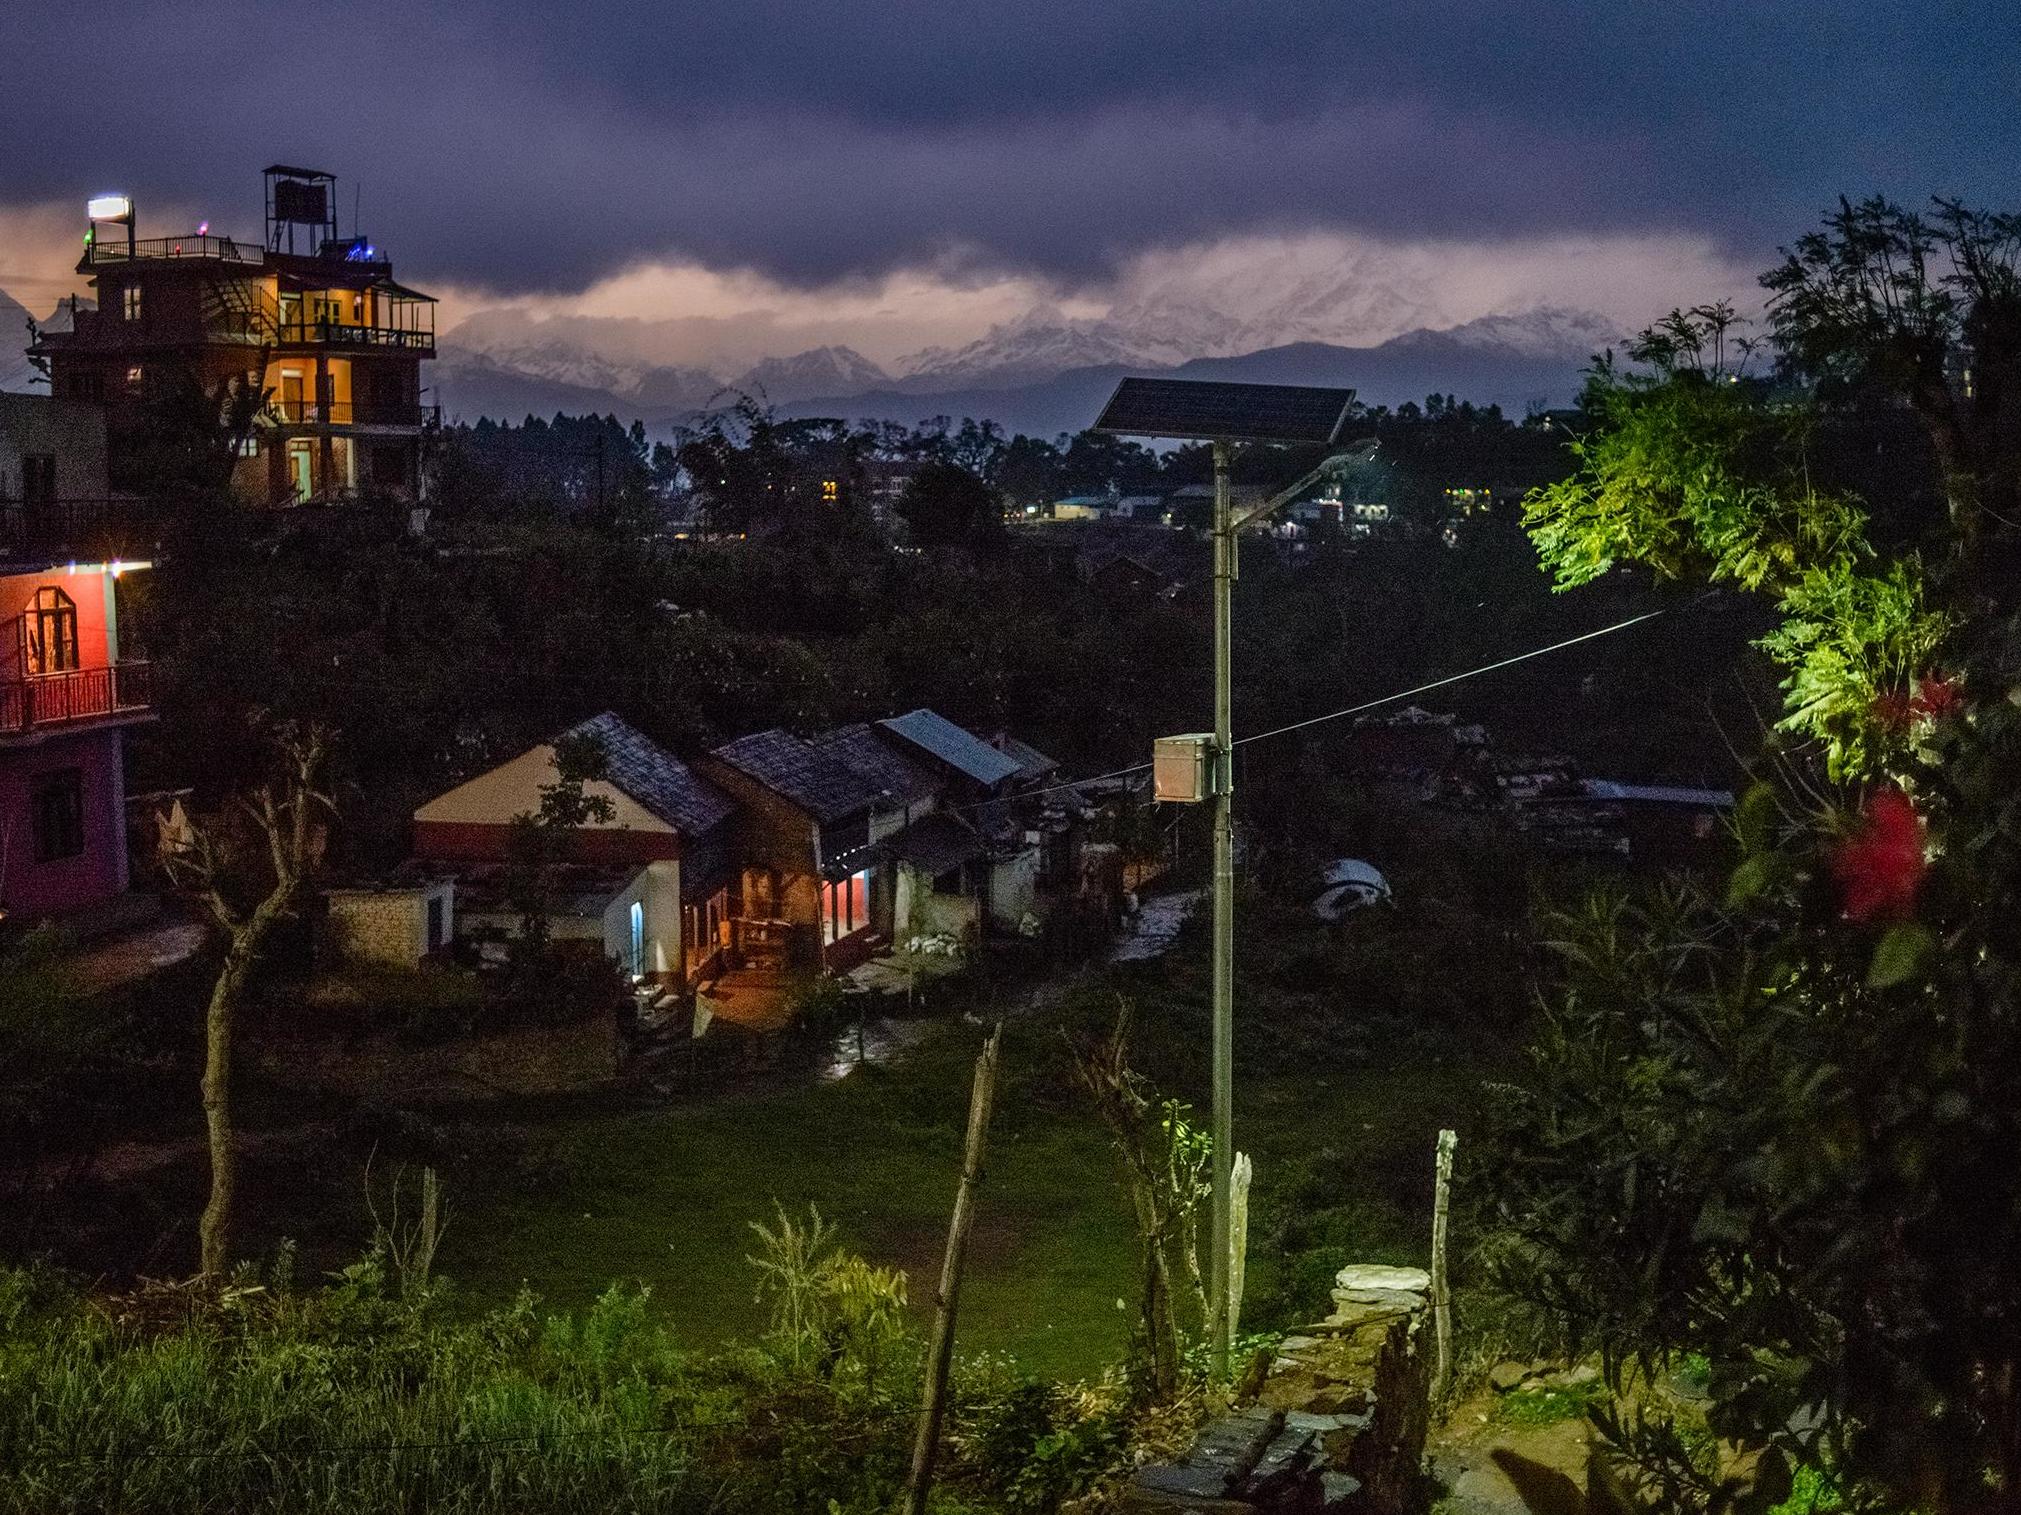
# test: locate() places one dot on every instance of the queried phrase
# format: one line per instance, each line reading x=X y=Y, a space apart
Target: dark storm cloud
x=526 y=146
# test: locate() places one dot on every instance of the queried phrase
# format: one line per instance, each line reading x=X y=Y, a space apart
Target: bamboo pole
x=940 y=1354
x=1442 y=1299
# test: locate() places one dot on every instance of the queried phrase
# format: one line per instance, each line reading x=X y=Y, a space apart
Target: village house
x=67 y=690
x=984 y=783
x=812 y=889
x=67 y=696
x=313 y=320
x=652 y=882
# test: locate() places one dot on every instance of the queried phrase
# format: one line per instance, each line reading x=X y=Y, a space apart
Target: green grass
x=667 y=1197
x=1548 y=1406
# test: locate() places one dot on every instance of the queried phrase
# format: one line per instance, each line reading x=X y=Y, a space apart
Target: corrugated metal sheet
x=961 y=750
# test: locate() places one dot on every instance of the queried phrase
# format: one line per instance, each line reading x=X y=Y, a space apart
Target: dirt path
x=1491 y=1466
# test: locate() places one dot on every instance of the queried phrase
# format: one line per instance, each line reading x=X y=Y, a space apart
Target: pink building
x=66 y=697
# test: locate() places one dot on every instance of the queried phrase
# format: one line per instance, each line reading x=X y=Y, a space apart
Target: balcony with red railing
x=44 y=702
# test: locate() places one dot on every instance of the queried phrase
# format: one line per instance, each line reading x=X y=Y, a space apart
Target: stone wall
x=1338 y=1424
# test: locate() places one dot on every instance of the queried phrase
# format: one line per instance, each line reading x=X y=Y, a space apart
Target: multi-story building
x=313 y=320
x=66 y=697
x=66 y=691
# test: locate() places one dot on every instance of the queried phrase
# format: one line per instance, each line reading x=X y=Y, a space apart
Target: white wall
x=1013 y=888
x=513 y=789
x=658 y=890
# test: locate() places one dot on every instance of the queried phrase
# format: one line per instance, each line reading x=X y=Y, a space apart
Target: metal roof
x=961 y=750
x=1216 y=412
x=811 y=777
x=1032 y=763
x=654 y=777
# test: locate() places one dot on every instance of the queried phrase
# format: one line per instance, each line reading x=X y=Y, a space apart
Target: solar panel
x=1195 y=409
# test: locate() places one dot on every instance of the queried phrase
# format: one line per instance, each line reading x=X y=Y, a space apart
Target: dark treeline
x=756 y=572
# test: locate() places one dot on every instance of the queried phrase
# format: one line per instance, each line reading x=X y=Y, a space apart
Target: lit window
x=831 y=491
x=57 y=814
x=50 y=632
x=133 y=376
x=131 y=304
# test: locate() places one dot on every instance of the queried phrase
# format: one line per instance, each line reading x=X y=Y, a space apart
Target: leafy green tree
x=1697 y=472
x=1776 y=1127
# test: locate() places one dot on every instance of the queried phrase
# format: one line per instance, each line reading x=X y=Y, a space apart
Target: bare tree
x=1102 y=1068
x=247 y=891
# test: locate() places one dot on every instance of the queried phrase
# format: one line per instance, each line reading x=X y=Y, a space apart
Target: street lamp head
x=1353 y=456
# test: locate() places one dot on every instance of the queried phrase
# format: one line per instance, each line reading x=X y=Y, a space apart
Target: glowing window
x=131 y=303
x=49 y=631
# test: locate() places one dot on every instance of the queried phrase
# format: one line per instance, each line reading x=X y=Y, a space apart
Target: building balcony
x=322 y=333
x=100 y=527
x=193 y=248
x=50 y=701
x=286 y=412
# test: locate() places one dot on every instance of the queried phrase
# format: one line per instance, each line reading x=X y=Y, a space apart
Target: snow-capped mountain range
x=1022 y=372
x=1039 y=372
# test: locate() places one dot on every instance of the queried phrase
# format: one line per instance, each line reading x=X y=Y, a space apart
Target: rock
x=1322 y=1425
x=1385 y=1299
x=1575 y=1377
x=1338 y=1491
x=1506 y=1377
x=1283 y=1464
x=1172 y=1485
x=1143 y=1500
x=1380 y=1276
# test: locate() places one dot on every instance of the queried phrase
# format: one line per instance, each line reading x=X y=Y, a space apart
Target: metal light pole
x=1223 y=1242
x=1223 y=414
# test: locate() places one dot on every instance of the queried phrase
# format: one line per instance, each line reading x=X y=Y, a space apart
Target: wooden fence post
x=1442 y=1298
x=940 y=1353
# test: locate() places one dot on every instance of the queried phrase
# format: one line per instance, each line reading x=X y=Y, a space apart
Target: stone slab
x=1381 y=1276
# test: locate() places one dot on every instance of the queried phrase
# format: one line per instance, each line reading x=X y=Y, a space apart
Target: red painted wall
x=32 y=889
x=27 y=887
x=86 y=590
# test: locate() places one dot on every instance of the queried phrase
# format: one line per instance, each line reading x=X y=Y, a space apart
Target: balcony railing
x=219 y=249
x=352 y=413
x=348 y=334
x=74 y=525
x=84 y=694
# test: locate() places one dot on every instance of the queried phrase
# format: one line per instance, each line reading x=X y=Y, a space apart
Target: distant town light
x=109 y=207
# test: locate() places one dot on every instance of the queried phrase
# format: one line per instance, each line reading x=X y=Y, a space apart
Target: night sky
x=530 y=151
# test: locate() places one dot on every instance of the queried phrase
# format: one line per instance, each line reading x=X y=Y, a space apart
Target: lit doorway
x=301 y=470
x=638 y=940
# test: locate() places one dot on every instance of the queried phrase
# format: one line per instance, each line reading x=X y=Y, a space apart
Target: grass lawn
x=667 y=1196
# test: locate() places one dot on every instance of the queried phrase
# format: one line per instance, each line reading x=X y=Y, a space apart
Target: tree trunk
x=213 y=1229
x=1161 y=1326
